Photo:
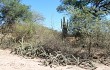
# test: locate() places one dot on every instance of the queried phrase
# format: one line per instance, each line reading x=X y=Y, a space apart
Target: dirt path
x=13 y=62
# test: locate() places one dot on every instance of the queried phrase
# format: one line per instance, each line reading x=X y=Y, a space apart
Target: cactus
x=64 y=27
x=64 y=20
x=61 y=24
x=67 y=23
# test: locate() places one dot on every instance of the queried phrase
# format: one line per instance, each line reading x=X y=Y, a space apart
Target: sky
x=47 y=8
x=108 y=17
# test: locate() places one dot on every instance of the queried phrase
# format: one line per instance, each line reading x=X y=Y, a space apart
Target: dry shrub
x=6 y=40
x=91 y=41
x=12 y=35
x=26 y=30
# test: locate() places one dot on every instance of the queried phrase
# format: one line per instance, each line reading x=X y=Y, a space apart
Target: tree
x=94 y=6
x=84 y=12
x=87 y=15
x=12 y=11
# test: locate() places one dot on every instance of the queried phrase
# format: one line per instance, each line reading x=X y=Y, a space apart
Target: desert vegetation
x=86 y=38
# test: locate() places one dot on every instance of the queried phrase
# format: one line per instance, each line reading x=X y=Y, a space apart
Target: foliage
x=94 y=6
x=87 y=18
x=26 y=30
x=94 y=32
x=13 y=11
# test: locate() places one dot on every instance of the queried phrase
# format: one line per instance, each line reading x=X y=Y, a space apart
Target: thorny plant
x=56 y=58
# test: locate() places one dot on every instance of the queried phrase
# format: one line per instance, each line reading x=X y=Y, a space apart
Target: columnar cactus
x=64 y=26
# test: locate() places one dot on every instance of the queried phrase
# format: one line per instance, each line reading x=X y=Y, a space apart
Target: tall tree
x=13 y=10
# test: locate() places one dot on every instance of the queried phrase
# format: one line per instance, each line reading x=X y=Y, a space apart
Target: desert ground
x=14 y=62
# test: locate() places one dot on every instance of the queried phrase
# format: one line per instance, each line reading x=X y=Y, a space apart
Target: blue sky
x=47 y=8
x=108 y=17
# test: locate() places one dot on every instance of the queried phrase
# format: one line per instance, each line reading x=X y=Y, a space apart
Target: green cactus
x=61 y=24
x=64 y=20
x=64 y=27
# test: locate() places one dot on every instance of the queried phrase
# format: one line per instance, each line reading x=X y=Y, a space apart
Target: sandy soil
x=13 y=62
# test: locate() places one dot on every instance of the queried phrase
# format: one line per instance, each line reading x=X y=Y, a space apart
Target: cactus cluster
x=64 y=27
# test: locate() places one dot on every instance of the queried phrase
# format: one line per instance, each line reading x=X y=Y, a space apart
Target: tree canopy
x=94 y=6
x=13 y=10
